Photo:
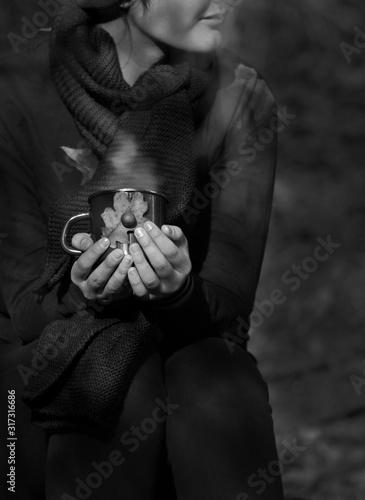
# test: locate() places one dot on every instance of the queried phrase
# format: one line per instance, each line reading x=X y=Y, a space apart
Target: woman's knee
x=209 y=381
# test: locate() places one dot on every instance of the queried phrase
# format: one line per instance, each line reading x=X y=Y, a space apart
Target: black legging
x=216 y=434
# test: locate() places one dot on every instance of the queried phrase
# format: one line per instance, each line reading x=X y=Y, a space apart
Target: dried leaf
x=114 y=228
x=111 y=218
x=121 y=203
x=120 y=233
x=139 y=206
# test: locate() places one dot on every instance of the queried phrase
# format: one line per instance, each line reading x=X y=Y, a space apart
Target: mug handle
x=64 y=235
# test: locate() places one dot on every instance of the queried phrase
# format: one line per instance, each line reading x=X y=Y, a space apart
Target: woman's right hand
x=107 y=282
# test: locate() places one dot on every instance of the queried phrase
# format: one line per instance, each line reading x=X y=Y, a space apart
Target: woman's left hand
x=168 y=264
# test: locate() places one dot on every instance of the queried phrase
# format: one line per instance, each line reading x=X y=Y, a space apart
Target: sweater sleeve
x=23 y=247
x=219 y=296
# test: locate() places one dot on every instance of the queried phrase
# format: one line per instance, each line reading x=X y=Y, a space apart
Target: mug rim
x=128 y=190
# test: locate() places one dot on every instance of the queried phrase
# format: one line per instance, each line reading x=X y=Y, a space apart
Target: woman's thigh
x=127 y=466
x=222 y=432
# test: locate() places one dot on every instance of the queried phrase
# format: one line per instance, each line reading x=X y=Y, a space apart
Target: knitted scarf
x=82 y=386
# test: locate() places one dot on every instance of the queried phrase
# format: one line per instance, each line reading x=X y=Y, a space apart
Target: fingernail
x=86 y=243
x=134 y=247
x=133 y=271
x=139 y=232
x=169 y=229
x=127 y=259
x=104 y=242
x=148 y=225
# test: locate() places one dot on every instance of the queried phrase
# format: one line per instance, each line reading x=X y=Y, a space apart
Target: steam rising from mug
x=136 y=170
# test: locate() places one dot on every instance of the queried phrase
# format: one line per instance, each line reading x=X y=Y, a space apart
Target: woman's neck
x=136 y=51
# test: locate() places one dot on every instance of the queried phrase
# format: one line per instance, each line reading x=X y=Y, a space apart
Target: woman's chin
x=205 y=41
x=209 y=43
x=213 y=43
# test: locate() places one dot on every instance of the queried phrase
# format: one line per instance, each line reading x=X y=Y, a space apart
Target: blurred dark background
x=310 y=348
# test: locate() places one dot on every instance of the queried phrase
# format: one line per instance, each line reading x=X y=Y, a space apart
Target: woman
x=187 y=399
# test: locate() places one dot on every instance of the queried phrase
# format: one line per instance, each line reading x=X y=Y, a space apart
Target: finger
x=137 y=285
x=82 y=241
x=176 y=234
x=149 y=243
x=100 y=276
x=118 y=280
x=145 y=271
x=84 y=264
x=176 y=252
